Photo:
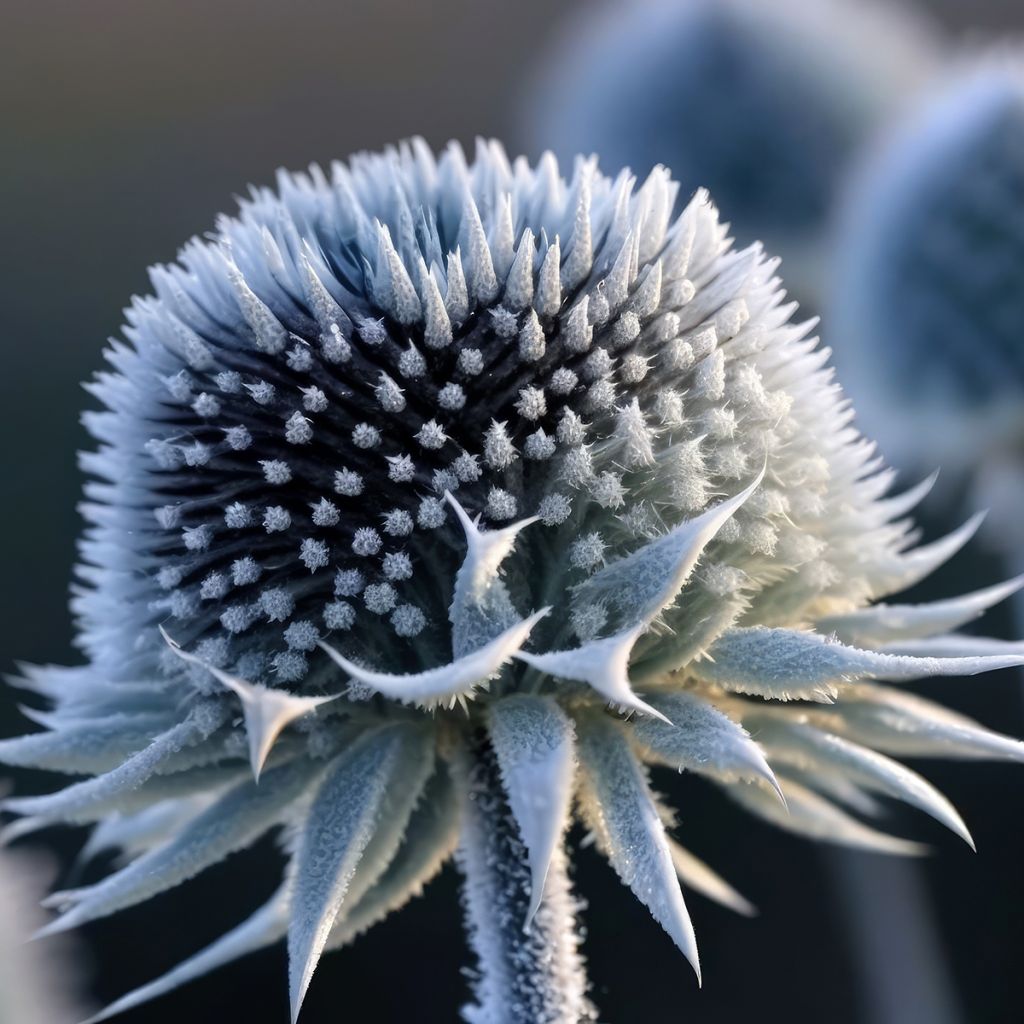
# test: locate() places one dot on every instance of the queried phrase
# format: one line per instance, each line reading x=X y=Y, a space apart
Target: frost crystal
x=611 y=513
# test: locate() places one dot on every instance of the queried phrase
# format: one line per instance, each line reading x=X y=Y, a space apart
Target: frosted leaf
x=808 y=814
x=233 y=822
x=907 y=725
x=813 y=750
x=429 y=841
x=698 y=876
x=788 y=664
x=533 y=740
x=84 y=748
x=699 y=737
x=618 y=806
x=480 y=605
x=267 y=711
x=342 y=820
x=646 y=581
x=603 y=664
x=884 y=623
x=84 y=801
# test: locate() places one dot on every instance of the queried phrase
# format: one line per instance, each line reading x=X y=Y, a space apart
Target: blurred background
x=128 y=126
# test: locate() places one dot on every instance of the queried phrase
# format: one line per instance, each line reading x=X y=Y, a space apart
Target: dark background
x=126 y=127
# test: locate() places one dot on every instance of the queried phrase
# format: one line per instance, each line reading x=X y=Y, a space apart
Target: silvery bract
x=764 y=104
x=446 y=497
x=928 y=308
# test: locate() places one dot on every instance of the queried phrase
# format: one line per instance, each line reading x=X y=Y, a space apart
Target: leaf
x=232 y=823
x=263 y=928
x=267 y=711
x=340 y=824
x=84 y=747
x=956 y=646
x=697 y=736
x=77 y=803
x=449 y=683
x=884 y=623
x=910 y=726
x=788 y=664
x=910 y=567
x=481 y=607
x=617 y=805
x=430 y=840
x=805 y=813
x=699 y=877
x=820 y=752
x=533 y=740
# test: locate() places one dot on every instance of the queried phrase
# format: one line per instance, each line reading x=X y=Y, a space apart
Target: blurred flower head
x=927 y=310
x=763 y=104
x=429 y=449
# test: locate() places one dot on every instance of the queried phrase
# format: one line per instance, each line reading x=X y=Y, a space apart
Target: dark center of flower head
x=305 y=390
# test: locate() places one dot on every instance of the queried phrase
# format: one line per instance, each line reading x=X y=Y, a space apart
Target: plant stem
x=523 y=976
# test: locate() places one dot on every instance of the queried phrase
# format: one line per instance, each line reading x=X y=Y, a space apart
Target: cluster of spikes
x=429 y=465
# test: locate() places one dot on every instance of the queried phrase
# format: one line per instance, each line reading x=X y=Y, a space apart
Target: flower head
x=428 y=450
x=763 y=104
x=932 y=233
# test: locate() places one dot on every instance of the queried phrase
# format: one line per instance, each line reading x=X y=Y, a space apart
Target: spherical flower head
x=763 y=104
x=429 y=454
x=932 y=232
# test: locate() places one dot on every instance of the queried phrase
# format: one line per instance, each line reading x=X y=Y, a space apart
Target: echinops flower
x=449 y=496
x=927 y=309
x=764 y=104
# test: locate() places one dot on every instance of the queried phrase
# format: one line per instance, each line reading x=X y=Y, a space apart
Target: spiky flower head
x=933 y=233
x=428 y=469
x=763 y=104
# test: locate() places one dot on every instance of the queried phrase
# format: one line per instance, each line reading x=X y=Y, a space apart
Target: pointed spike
x=446 y=682
x=267 y=711
x=549 y=286
x=602 y=664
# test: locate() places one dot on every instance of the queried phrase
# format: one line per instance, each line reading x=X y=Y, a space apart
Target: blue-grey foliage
x=435 y=498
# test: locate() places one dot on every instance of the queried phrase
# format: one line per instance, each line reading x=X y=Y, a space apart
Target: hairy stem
x=523 y=976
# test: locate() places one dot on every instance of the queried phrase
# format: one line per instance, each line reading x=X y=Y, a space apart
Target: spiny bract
x=429 y=450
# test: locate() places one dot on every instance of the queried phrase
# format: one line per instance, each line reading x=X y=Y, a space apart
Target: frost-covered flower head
x=928 y=308
x=439 y=494
x=762 y=103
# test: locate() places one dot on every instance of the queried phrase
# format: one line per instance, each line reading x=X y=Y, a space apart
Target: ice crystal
x=557 y=490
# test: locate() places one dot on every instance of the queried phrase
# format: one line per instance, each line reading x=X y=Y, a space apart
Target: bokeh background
x=126 y=127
